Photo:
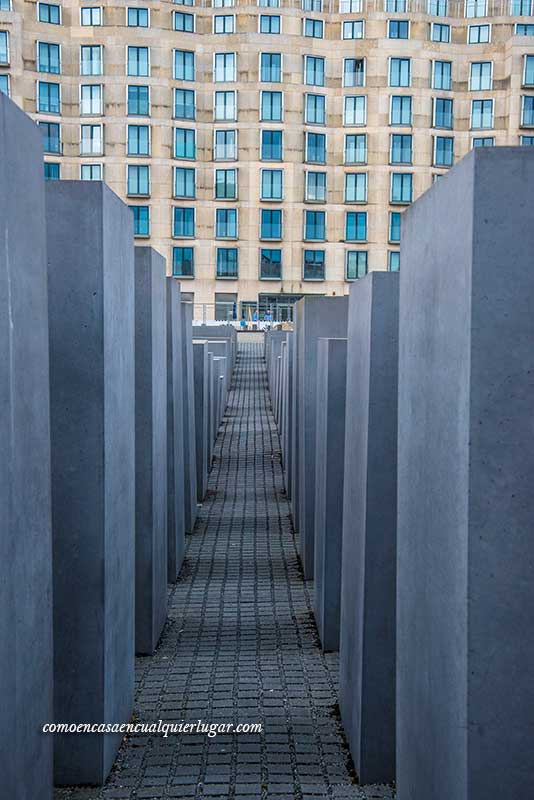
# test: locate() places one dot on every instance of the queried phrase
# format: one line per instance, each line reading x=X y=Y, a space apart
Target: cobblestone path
x=240 y=643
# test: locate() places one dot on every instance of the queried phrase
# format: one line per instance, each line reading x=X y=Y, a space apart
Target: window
x=270 y=264
x=315 y=109
x=138 y=101
x=185 y=23
x=51 y=136
x=183 y=222
x=438 y=8
x=48 y=60
x=392 y=6
x=227 y=262
x=527 y=111
x=184 y=65
x=398 y=29
x=91 y=140
x=476 y=8
x=139 y=61
x=524 y=30
x=222 y=3
x=478 y=34
x=356 y=266
x=315 y=191
x=271 y=145
x=184 y=182
x=184 y=104
x=51 y=171
x=528 y=71
x=138 y=17
x=352 y=29
x=48 y=99
x=224 y=23
x=520 y=8
x=5 y=5
x=482 y=114
x=316 y=148
x=314 y=226
x=225 y=145
x=401 y=149
x=443 y=151
x=440 y=33
x=441 y=75
x=183 y=265
x=226 y=223
x=4 y=49
x=269 y=3
x=314 y=28
x=269 y=23
x=314 y=265
x=270 y=67
x=356 y=226
x=483 y=141
x=400 y=110
x=271 y=106
x=4 y=84
x=350 y=6
x=401 y=187
x=91 y=172
x=226 y=184
x=355 y=111
x=312 y=5
x=91 y=15
x=355 y=187
x=526 y=141
x=442 y=116
x=353 y=72
x=224 y=67
x=393 y=260
x=184 y=143
x=394 y=226
x=141 y=215
x=49 y=12
x=91 y=59
x=355 y=148
x=225 y=106
x=272 y=184
x=184 y=2
x=399 y=71
x=271 y=223
x=480 y=76
x=138 y=140
x=313 y=71
x=91 y=100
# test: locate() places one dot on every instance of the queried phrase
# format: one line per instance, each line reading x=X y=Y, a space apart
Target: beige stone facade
x=488 y=104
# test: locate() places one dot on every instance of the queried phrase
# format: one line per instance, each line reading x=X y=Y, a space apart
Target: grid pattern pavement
x=240 y=643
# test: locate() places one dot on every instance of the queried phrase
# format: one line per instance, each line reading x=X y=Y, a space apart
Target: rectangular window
x=226 y=184
x=353 y=72
x=271 y=145
x=272 y=184
x=225 y=106
x=441 y=75
x=48 y=12
x=443 y=151
x=316 y=148
x=51 y=136
x=269 y=3
x=315 y=109
x=141 y=215
x=227 y=262
x=184 y=2
x=442 y=116
x=394 y=226
x=185 y=23
x=356 y=264
x=183 y=265
x=399 y=72
x=51 y=171
x=270 y=264
x=138 y=180
x=478 y=34
x=520 y=8
x=476 y=8
x=184 y=143
x=352 y=29
x=526 y=141
x=184 y=65
x=395 y=6
x=225 y=145
x=314 y=28
x=528 y=71
x=91 y=172
x=356 y=148
x=527 y=111
x=226 y=223
x=48 y=60
x=393 y=260
x=483 y=141
x=398 y=29
x=48 y=98
x=401 y=110
x=138 y=17
x=270 y=67
x=224 y=67
x=355 y=187
x=401 y=187
x=438 y=8
x=223 y=3
x=440 y=32
x=524 y=29
x=315 y=187
x=313 y=268
x=91 y=16
x=184 y=104
x=313 y=71
x=91 y=59
x=139 y=61
x=312 y=5
x=481 y=76
x=138 y=101
x=350 y=6
x=271 y=223
x=4 y=84
x=481 y=114
x=314 y=226
x=271 y=106
x=91 y=140
x=184 y=182
x=224 y=23
x=356 y=226
x=91 y=100
x=183 y=222
x=355 y=111
x=401 y=149
x=4 y=50
x=269 y=23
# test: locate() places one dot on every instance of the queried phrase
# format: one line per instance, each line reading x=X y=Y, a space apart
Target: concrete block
x=210 y=410
x=465 y=714
x=175 y=433
x=329 y=472
x=288 y=424
x=222 y=348
x=318 y=317
x=200 y=363
x=150 y=449
x=213 y=332
x=219 y=363
x=92 y=410
x=190 y=459
x=295 y=428
x=367 y=641
x=282 y=391
x=26 y=673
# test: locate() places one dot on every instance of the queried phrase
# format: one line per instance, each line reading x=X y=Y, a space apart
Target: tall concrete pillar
x=210 y=410
x=190 y=459
x=288 y=423
x=175 y=432
x=367 y=640
x=150 y=449
x=295 y=428
x=92 y=411
x=25 y=518
x=200 y=363
x=466 y=468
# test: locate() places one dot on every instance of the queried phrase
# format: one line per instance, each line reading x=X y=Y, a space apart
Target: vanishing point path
x=240 y=643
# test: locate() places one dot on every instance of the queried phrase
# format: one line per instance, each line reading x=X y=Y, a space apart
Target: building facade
x=268 y=150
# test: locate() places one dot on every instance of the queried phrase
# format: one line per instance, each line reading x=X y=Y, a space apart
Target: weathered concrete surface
x=150 y=449
x=92 y=410
x=288 y=413
x=200 y=364
x=213 y=332
x=26 y=661
x=466 y=466
x=295 y=430
x=367 y=641
x=190 y=459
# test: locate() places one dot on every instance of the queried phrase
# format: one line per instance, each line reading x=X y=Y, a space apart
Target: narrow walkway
x=240 y=645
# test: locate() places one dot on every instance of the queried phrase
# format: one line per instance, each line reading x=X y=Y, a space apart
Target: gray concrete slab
x=367 y=640
x=213 y=332
x=295 y=428
x=465 y=716
x=329 y=474
x=288 y=424
x=210 y=410
x=200 y=364
x=26 y=673
x=92 y=410
x=190 y=459
x=150 y=449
